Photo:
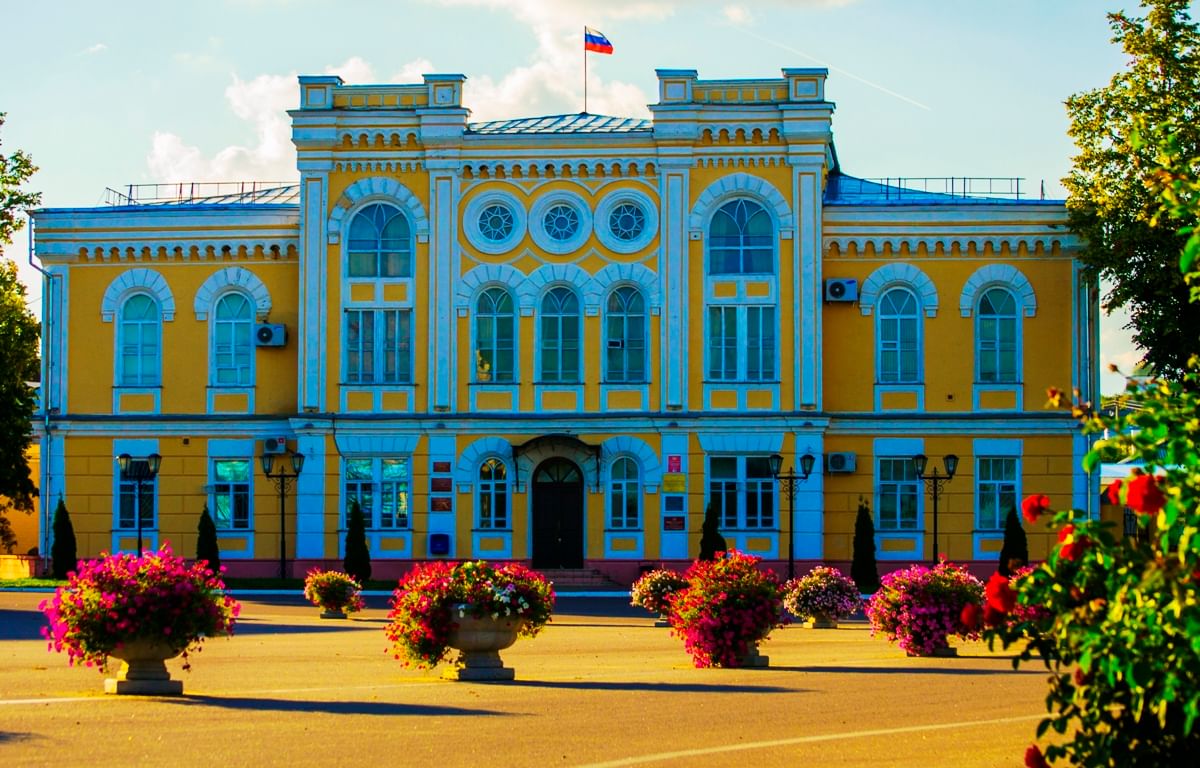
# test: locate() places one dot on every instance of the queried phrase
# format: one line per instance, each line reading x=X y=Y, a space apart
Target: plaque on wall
x=674 y=523
x=441 y=466
x=441 y=504
x=444 y=484
x=674 y=482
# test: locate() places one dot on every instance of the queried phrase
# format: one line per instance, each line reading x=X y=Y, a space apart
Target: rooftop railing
x=203 y=191
x=956 y=186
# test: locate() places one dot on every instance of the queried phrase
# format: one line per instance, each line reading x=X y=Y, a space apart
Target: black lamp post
x=283 y=480
x=140 y=471
x=935 y=482
x=787 y=482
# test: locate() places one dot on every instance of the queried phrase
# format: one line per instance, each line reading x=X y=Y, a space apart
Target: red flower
x=1067 y=530
x=993 y=617
x=970 y=616
x=1000 y=596
x=1034 y=758
x=1114 y=492
x=1144 y=495
x=1073 y=550
x=1033 y=507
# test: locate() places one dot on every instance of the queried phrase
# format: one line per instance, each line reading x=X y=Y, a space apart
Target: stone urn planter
x=479 y=641
x=822 y=621
x=143 y=669
x=333 y=613
x=753 y=659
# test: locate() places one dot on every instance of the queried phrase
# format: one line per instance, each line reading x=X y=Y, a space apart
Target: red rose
x=1033 y=507
x=1034 y=758
x=970 y=616
x=1073 y=550
x=1144 y=495
x=1114 y=492
x=1000 y=595
x=1066 y=531
x=993 y=617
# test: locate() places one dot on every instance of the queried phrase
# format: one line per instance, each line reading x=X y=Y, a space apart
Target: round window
x=496 y=223
x=561 y=222
x=627 y=221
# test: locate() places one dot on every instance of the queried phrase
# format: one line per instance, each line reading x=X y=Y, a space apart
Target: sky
x=129 y=92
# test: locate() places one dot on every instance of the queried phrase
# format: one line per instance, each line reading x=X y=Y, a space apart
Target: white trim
x=466 y=468
x=613 y=276
x=363 y=446
x=898 y=273
x=740 y=185
x=537 y=215
x=1002 y=275
x=743 y=443
x=377 y=189
x=994 y=448
x=232 y=278
x=469 y=286
x=139 y=280
x=604 y=210
x=640 y=451
x=475 y=208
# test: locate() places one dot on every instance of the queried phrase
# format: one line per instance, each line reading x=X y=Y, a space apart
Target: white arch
x=230 y=278
x=627 y=445
x=551 y=274
x=898 y=273
x=467 y=468
x=992 y=275
x=132 y=281
x=740 y=185
x=615 y=274
x=475 y=280
x=377 y=188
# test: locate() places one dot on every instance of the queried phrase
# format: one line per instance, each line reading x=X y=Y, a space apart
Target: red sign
x=441 y=484
x=674 y=523
x=441 y=466
x=441 y=504
x=674 y=463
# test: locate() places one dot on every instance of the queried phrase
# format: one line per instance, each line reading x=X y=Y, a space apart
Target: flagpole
x=585 y=70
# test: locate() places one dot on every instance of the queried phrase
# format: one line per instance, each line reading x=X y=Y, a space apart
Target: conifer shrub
x=63 y=555
x=711 y=540
x=1014 y=553
x=863 y=568
x=357 y=562
x=206 y=545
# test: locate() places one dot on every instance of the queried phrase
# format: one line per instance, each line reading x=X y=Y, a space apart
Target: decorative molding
x=376 y=189
x=139 y=280
x=375 y=166
x=466 y=468
x=898 y=273
x=627 y=445
x=743 y=443
x=614 y=275
x=476 y=207
x=957 y=245
x=740 y=185
x=549 y=275
x=576 y=169
x=205 y=250
x=993 y=275
x=232 y=278
x=477 y=279
x=604 y=210
x=542 y=206
x=379 y=139
x=391 y=444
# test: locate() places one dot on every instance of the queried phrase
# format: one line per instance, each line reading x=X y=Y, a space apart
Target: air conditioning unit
x=841 y=462
x=616 y=344
x=841 y=289
x=275 y=445
x=270 y=335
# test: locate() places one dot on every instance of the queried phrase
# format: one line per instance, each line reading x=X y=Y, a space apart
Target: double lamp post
x=787 y=483
x=283 y=481
x=140 y=471
x=935 y=481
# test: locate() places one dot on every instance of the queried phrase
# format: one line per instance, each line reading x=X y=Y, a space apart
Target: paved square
x=600 y=686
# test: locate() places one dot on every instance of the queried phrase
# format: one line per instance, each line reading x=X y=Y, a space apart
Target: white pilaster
x=313 y=278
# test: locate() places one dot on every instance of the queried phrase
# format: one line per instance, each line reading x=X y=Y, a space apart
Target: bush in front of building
x=357 y=561
x=63 y=555
x=652 y=590
x=864 y=569
x=333 y=591
x=728 y=606
x=822 y=593
x=711 y=540
x=207 y=549
x=1014 y=552
x=920 y=608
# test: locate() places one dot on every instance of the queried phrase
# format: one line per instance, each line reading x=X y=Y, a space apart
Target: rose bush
x=114 y=599
x=919 y=608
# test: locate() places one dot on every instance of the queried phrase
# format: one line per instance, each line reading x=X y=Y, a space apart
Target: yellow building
x=558 y=339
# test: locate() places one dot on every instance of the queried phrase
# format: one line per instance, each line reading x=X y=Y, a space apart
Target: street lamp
x=787 y=482
x=935 y=483
x=140 y=471
x=283 y=480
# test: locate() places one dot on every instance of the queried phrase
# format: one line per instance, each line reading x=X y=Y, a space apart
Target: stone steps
x=580 y=579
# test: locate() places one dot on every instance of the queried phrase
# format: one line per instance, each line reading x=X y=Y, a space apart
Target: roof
x=205 y=193
x=843 y=189
x=581 y=122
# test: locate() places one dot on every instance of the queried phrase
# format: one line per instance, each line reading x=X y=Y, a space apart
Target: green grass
x=30 y=583
x=234 y=584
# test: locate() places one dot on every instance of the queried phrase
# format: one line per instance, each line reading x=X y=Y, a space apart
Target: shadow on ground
x=380 y=708
x=616 y=685
x=874 y=670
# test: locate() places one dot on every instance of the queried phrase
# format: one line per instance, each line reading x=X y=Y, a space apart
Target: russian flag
x=595 y=41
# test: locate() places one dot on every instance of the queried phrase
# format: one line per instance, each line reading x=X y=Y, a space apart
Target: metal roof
x=581 y=122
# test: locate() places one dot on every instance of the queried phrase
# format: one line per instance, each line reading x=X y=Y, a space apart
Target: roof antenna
x=1043 y=189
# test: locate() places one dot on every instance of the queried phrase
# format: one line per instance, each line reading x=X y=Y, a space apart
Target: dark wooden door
x=557 y=515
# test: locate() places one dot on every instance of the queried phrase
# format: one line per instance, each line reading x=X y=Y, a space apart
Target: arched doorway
x=557 y=515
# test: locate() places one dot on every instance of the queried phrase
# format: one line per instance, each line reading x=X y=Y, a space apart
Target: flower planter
x=753 y=659
x=333 y=613
x=663 y=620
x=479 y=642
x=943 y=652
x=821 y=621
x=143 y=669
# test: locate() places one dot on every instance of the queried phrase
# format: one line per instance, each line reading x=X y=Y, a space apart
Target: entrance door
x=557 y=515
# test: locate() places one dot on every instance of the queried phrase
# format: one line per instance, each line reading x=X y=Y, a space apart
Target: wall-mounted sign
x=674 y=462
x=441 y=466
x=441 y=504
x=674 y=523
x=444 y=484
x=674 y=482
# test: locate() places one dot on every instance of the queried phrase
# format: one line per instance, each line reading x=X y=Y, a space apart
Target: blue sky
x=107 y=94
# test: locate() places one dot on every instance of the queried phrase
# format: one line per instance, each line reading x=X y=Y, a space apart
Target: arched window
x=624 y=498
x=898 y=338
x=380 y=243
x=494 y=343
x=139 y=343
x=560 y=336
x=740 y=240
x=232 y=342
x=493 y=495
x=625 y=325
x=996 y=337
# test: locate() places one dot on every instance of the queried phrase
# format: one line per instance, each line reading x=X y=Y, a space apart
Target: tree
x=206 y=545
x=357 y=562
x=1014 y=552
x=63 y=557
x=19 y=332
x=1112 y=202
x=711 y=540
x=863 y=568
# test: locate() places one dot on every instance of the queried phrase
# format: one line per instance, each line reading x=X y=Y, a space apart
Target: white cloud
x=737 y=14
x=93 y=49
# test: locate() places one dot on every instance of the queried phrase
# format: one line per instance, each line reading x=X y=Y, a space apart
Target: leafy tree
x=19 y=332
x=863 y=569
x=63 y=556
x=357 y=562
x=206 y=545
x=1014 y=553
x=711 y=540
x=1111 y=203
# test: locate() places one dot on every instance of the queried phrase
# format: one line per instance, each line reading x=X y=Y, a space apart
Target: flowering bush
x=432 y=595
x=727 y=607
x=333 y=591
x=919 y=607
x=112 y=600
x=824 y=592
x=653 y=588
